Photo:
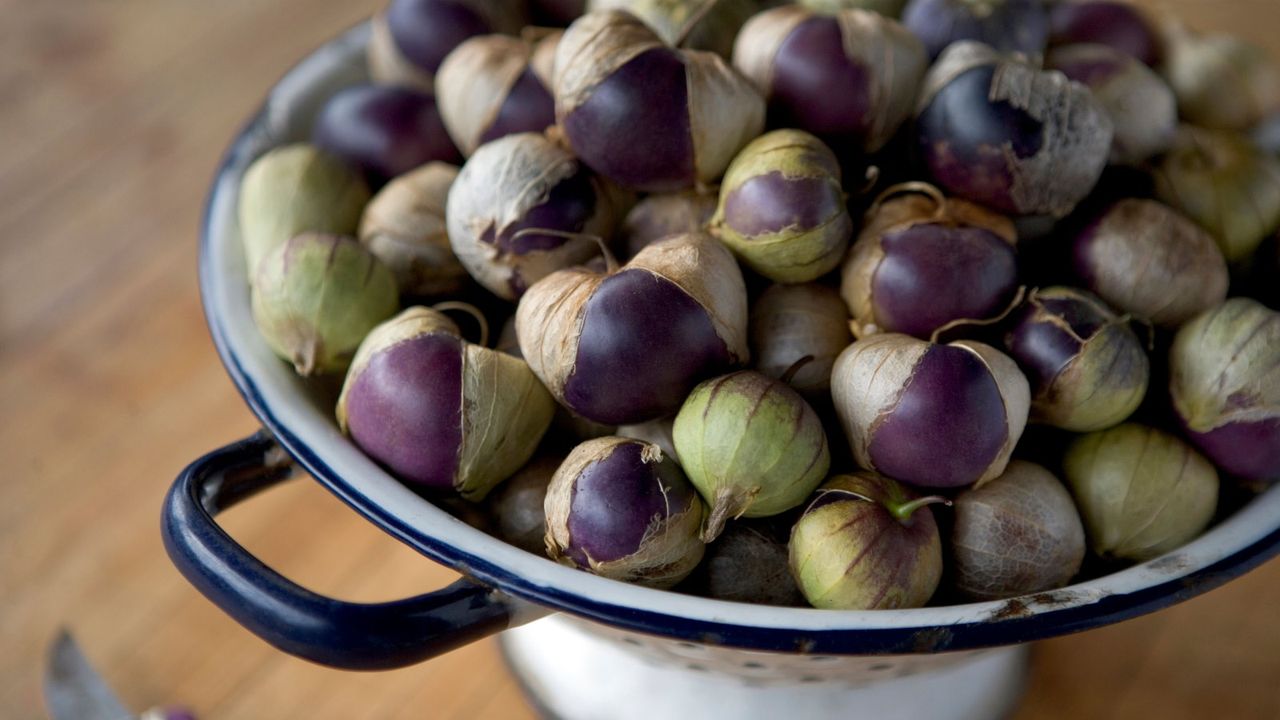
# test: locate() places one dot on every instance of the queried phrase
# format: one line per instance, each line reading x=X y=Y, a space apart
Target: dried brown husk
x=900 y=208
x=657 y=432
x=517 y=506
x=725 y=112
x=1019 y=534
x=1153 y=263
x=870 y=376
x=550 y=315
x=894 y=56
x=1142 y=107
x=388 y=66
x=888 y=8
x=694 y=24
x=664 y=214
x=1221 y=81
x=670 y=549
x=1076 y=135
x=473 y=82
x=1224 y=183
x=1224 y=366
x=497 y=188
x=404 y=225
x=790 y=322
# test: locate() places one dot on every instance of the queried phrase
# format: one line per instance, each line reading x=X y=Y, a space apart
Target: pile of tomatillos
x=859 y=303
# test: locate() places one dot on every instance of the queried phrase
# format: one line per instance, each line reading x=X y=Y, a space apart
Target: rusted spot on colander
x=931 y=640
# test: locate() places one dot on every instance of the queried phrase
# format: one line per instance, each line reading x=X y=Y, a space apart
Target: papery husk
x=664 y=214
x=790 y=322
x=882 y=44
x=387 y=66
x=410 y=323
x=725 y=112
x=1015 y=394
x=474 y=81
x=549 y=322
x=866 y=382
x=888 y=8
x=316 y=297
x=895 y=59
x=702 y=267
x=505 y=412
x=1141 y=492
x=849 y=552
x=1020 y=534
x=1222 y=81
x=404 y=225
x=1191 y=275
x=294 y=189
x=543 y=61
x=496 y=188
x=1142 y=107
x=592 y=49
x=792 y=254
x=900 y=208
x=1076 y=134
x=656 y=432
x=777 y=450
x=1221 y=180
x=1092 y=391
x=715 y=30
x=870 y=376
x=670 y=549
x=550 y=315
x=759 y=40
x=1224 y=366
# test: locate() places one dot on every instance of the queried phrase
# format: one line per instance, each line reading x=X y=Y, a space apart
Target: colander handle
x=350 y=636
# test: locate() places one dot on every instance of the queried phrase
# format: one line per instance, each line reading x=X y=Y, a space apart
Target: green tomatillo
x=867 y=543
x=751 y=446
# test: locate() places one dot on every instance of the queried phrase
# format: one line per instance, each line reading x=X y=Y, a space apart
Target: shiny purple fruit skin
x=384 y=130
x=634 y=128
x=817 y=88
x=404 y=409
x=615 y=501
x=931 y=275
x=773 y=202
x=963 y=136
x=948 y=425
x=425 y=31
x=644 y=344
x=1248 y=450
x=1116 y=24
x=1012 y=25
x=1041 y=348
x=528 y=107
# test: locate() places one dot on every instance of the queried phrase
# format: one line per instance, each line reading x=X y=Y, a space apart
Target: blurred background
x=113 y=116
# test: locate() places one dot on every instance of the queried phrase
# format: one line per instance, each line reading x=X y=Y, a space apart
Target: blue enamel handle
x=350 y=636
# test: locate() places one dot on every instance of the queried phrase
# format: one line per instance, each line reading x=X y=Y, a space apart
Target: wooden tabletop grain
x=112 y=119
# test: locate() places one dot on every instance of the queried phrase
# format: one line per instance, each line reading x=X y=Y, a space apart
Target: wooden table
x=112 y=119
